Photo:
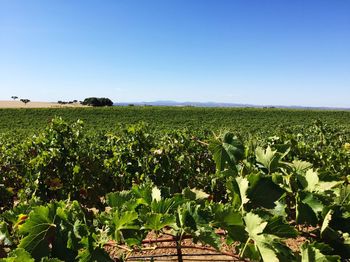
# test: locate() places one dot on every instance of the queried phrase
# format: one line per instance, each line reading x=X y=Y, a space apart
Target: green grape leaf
x=305 y=214
x=192 y=221
x=313 y=183
x=279 y=209
x=227 y=151
x=187 y=216
x=18 y=255
x=327 y=219
x=118 y=199
x=259 y=185
x=324 y=186
x=166 y=205
x=255 y=225
x=311 y=200
x=312 y=180
x=229 y=217
x=310 y=253
x=266 y=249
x=243 y=185
x=233 y=192
x=278 y=227
x=92 y=252
x=144 y=192
x=206 y=235
x=158 y=221
x=123 y=221
x=268 y=245
x=40 y=230
x=269 y=159
x=300 y=166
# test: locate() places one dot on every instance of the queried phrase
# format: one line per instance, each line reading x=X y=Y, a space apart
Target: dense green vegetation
x=97 y=101
x=241 y=120
x=73 y=187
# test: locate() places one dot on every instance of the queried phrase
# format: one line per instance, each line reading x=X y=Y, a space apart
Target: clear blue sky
x=292 y=52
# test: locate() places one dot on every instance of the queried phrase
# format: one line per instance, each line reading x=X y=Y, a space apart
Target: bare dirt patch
x=167 y=251
x=34 y=104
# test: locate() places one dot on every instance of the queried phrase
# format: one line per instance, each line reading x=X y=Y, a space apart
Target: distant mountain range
x=216 y=104
x=174 y=103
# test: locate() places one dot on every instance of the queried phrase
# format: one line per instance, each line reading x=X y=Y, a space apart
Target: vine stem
x=200 y=142
x=179 y=251
x=245 y=246
x=125 y=248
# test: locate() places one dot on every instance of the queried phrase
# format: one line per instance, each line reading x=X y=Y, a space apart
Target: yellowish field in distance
x=19 y=104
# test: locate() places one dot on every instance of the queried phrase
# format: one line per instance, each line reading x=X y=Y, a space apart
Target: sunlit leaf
x=227 y=151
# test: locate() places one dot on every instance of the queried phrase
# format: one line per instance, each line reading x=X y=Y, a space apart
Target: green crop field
x=241 y=120
x=257 y=184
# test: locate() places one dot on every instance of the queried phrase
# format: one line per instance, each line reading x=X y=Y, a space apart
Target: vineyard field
x=94 y=184
x=242 y=120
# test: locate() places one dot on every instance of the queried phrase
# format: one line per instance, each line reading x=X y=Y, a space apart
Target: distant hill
x=216 y=104
x=174 y=103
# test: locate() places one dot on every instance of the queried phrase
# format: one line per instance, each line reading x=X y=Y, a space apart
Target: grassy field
x=242 y=120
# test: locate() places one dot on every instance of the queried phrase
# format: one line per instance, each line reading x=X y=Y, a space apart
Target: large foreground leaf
x=39 y=230
x=263 y=191
x=269 y=159
x=268 y=245
x=313 y=183
x=123 y=221
x=227 y=151
x=255 y=227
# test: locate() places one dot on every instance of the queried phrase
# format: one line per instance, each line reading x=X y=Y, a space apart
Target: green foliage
x=39 y=231
x=18 y=255
x=5 y=238
x=227 y=152
x=157 y=221
x=93 y=250
x=317 y=252
x=255 y=123
x=66 y=193
x=269 y=159
x=97 y=101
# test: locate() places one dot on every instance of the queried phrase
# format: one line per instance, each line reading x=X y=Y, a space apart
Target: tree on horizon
x=25 y=101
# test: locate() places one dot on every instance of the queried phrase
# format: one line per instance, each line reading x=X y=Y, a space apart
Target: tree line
x=90 y=101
